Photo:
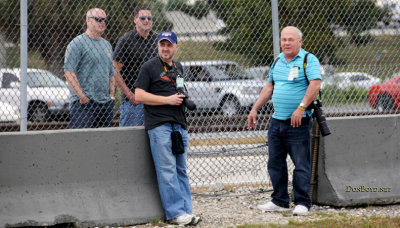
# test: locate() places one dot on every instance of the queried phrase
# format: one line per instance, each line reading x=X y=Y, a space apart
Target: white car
x=47 y=95
x=345 y=80
x=8 y=113
x=222 y=87
x=260 y=73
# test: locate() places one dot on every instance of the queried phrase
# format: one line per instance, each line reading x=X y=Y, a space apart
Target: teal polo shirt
x=290 y=87
x=91 y=61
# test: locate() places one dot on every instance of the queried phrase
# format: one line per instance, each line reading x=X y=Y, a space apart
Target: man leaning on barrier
x=165 y=123
x=89 y=71
x=289 y=131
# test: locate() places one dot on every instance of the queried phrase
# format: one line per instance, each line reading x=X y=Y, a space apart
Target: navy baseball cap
x=168 y=35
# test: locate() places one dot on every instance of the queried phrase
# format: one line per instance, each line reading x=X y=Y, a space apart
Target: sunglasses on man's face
x=146 y=17
x=99 y=19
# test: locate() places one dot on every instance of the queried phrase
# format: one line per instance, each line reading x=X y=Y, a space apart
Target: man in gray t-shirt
x=90 y=73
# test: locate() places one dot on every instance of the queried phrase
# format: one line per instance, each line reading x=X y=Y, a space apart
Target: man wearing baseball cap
x=165 y=123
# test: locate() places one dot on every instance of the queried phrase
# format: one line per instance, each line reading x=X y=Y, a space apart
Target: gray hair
x=90 y=12
x=296 y=29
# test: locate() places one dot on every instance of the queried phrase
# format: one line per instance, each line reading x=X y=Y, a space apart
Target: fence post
x=275 y=27
x=24 y=63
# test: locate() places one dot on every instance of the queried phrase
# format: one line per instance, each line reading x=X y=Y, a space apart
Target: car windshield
x=229 y=72
x=44 y=79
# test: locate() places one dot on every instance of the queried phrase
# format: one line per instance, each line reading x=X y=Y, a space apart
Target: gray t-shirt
x=91 y=61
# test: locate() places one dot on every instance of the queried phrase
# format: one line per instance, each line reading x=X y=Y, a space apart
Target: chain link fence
x=226 y=48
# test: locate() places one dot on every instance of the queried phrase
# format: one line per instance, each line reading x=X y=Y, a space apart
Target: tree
x=53 y=24
x=360 y=16
x=249 y=24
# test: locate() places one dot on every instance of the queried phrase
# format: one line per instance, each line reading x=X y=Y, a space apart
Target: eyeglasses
x=146 y=17
x=99 y=19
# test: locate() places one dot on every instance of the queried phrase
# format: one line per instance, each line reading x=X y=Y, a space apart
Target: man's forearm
x=112 y=86
x=264 y=96
x=74 y=83
x=149 y=98
x=119 y=80
x=312 y=92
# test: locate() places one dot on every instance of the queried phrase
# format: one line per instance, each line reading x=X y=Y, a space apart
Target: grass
x=335 y=221
x=364 y=58
x=227 y=141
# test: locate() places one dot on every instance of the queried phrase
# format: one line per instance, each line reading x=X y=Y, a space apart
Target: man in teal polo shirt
x=289 y=132
x=90 y=73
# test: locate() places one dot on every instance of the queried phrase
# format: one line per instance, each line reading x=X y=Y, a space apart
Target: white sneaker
x=182 y=220
x=195 y=220
x=300 y=210
x=270 y=206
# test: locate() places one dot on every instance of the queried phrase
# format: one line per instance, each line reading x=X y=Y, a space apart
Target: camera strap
x=165 y=65
x=178 y=73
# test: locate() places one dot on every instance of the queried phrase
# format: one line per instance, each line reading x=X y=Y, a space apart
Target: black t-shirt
x=153 y=79
x=132 y=50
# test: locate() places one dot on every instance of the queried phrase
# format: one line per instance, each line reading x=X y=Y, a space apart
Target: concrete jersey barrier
x=94 y=177
x=359 y=163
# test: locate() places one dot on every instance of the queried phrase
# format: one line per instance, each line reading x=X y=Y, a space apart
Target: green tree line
x=53 y=24
x=249 y=23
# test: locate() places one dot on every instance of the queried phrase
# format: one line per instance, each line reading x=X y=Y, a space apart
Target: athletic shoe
x=300 y=210
x=195 y=220
x=270 y=206
x=182 y=220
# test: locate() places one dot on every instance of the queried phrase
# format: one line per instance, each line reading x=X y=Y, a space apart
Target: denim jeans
x=91 y=115
x=131 y=115
x=283 y=139
x=173 y=181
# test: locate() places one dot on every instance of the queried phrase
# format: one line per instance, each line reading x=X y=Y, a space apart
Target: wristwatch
x=302 y=105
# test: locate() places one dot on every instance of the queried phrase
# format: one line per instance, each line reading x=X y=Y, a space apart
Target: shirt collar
x=301 y=54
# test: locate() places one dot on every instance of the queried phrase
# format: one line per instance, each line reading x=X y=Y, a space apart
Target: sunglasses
x=99 y=19
x=146 y=17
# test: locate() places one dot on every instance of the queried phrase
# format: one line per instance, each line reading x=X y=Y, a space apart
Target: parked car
x=47 y=95
x=260 y=73
x=222 y=87
x=345 y=80
x=8 y=113
x=385 y=96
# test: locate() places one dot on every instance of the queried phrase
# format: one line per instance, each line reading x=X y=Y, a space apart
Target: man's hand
x=296 y=118
x=84 y=99
x=175 y=99
x=131 y=97
x=252 y=119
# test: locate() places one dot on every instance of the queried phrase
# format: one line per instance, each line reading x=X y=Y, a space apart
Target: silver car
x=221 y=86
x=47 y=95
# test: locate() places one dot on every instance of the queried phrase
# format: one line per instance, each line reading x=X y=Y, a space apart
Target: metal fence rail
x=356 y=42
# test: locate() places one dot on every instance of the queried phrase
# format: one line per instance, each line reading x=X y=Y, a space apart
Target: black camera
x=186 y=101
x=181 y=89
x=319 y=115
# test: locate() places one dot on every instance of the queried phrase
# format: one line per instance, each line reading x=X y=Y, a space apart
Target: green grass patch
x=336 y=221
x=364 y=58
x=332 y=95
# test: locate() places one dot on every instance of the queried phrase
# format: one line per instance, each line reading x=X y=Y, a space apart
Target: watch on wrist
x=302 y=105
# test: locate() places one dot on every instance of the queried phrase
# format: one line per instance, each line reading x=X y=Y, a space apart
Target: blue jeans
x=173 y=181
x=91 y=115
x=131 y=115
x=283 y=139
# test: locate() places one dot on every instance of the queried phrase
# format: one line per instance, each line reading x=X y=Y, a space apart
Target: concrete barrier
x=93 y=177
x=359 y=163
